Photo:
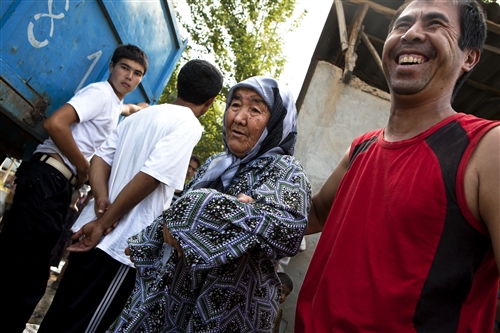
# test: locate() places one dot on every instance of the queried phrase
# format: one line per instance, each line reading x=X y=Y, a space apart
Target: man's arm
x=134 y=192
x=99 y=177
x=322 y=201
x=128 y=109
x=486 y=159
x=58 y=127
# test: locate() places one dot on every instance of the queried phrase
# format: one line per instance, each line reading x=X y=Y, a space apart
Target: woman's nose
x=241 y=116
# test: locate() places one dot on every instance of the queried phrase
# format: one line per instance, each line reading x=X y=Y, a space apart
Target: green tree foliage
x=244 y=38
x=211 y=140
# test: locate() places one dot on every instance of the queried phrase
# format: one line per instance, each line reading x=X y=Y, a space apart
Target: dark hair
x=286 y=280
x=472 y=30
x=196 y=159
x=198 y=81
x=131 y=52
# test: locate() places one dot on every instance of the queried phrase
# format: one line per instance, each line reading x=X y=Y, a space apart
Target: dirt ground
x=44 y=304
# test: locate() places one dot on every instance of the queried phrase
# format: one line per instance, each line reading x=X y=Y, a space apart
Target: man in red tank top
x=410 y=217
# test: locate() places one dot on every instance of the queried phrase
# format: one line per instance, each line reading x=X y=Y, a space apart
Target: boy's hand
x=82 y=173
x=128 y=109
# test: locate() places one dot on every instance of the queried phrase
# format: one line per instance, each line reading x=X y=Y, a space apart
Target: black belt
x=59 y=166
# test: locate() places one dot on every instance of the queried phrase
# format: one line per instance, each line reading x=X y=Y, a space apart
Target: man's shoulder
x=475 y=127
x=171 y=112
x=370 y=135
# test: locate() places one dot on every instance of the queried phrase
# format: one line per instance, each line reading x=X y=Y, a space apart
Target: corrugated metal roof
x=480 y=95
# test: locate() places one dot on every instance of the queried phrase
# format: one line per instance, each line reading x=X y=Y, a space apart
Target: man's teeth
x=410 y=59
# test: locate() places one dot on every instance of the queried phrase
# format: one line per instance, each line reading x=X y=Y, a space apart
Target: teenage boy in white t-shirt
x=46 y=182
x=133 y=177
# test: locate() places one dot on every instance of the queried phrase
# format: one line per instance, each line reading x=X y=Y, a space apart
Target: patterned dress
x=226 y=279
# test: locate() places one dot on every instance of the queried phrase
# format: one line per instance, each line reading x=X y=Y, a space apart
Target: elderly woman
x=222 y=278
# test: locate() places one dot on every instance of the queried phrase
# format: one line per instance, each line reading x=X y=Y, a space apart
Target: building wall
x=331 y=116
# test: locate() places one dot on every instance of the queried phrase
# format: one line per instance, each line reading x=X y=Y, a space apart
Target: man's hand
x=101 y=205
x=244 y=198
x=92 y=233
x=167 y=237
x=128 y=253
x=108 y=230
x=82 y=173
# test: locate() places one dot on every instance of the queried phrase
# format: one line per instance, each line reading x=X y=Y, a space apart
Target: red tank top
x=400 y=251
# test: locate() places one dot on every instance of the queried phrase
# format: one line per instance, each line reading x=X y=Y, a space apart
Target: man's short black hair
x=198 y=81
x=131 y=52
x=286 y=280
x=196 y=159
x=472 y=29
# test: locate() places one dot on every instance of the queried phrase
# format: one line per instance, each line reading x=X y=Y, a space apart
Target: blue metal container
x=50 y=49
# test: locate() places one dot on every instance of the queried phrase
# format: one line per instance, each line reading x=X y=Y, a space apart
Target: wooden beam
x=386 y=11
x=492 y=49
x=389 y=13
x=342 y=26
x=375 y=40
x=493 y=27
x=372 y=50
x=351 y=56
x=483 y=87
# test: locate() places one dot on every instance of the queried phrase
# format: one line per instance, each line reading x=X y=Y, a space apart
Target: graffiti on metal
x=31 y=36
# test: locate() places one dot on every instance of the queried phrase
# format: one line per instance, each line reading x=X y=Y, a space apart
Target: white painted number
x=94 y=56
x=31 y=37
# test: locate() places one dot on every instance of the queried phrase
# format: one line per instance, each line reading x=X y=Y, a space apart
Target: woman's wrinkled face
x=246 y=119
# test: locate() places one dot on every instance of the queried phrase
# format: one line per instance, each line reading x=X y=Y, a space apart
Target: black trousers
x=31 y=230
x=91 y=294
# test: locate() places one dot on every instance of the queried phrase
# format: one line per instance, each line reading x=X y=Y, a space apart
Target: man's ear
x=209 y=102
x=111 y=66
x=472 y=57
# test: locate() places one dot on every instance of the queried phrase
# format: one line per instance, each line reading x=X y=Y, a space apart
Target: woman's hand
x=242 y=197
x=167 y=237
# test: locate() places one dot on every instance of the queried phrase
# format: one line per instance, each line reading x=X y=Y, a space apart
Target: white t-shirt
x=157 y=141
x=98 y=110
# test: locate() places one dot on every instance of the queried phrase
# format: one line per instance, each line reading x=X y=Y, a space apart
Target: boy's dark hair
x=198 y=81
x=472 y=30
x=286 y=280
x=196 y=159
x=131 y=52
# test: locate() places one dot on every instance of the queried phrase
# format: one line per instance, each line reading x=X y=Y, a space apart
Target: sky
x=299 y=45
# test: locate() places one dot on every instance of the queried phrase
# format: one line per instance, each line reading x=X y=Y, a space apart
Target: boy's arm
x=322 y=201
x=134 y=192
x=58 y=127
x=128 y=109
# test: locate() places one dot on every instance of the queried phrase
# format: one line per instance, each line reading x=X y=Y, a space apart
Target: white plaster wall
x=331 y=116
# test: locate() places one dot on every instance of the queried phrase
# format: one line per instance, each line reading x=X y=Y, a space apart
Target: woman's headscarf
x=278 y=137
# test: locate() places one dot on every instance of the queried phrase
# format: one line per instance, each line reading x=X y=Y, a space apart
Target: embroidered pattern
x=226 y=280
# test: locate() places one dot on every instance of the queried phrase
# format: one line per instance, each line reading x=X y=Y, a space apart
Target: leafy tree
x=244 y=39
x=243 y=36
x=211 y=140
